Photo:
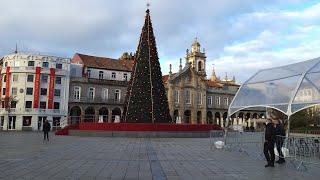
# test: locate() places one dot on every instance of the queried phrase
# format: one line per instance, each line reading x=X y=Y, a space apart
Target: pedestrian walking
x=46 y=128
x=280 y=135
x=268 y=148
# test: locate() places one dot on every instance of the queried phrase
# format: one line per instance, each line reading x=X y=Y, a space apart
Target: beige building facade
x=194 y=98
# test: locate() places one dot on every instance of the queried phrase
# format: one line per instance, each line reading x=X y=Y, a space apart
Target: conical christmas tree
x=146 y=100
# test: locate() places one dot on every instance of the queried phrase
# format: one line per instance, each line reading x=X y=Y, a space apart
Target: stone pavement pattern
x=24 y=155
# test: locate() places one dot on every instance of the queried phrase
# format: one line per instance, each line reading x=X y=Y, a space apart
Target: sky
x=239 y=36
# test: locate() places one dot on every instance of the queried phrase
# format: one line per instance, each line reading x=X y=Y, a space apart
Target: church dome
x=195 y=47
x=196 y=42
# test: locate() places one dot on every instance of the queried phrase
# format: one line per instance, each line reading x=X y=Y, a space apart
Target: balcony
x=43 y=111
x=97 y=100
x=32 y=69
x=75 y=80
x=221 y=91
x=4 y=111
x=32 y=110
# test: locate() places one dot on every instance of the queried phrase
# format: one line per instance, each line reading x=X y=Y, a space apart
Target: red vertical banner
x=7 y=92
x=8 y=73
x=51 y=88
x=1 y=81
x=36 y=88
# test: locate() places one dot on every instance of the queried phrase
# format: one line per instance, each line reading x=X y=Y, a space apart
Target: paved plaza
x=24 y=155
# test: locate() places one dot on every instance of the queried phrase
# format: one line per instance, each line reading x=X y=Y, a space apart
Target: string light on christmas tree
x=146 y=100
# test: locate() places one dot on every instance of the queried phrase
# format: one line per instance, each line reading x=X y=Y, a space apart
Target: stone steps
x=140 y=134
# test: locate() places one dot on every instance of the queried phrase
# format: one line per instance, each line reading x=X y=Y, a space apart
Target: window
x=218 y=101
x=45 y=64
x=113 y=75
x=14 y=91
x=30 y=63
x=15 y=77
x=58 y=80
x=105 y=94
x=56 y=121
x=188 y=97
x=56 y=105
x=210 y=100
x=100 y=74
x=13 y=104
x=117 y=95
x=26 y=120
x=57 y=92
x=199 y=66
x=1 y=121
x=88 y=73
x=176 y=96
x=187 y=79
x=4 y=78
x=43 y=105
x=91 y=93
x=43 y=91
x=5 y=64
x=3 y=91
x=58 y=66
x=226 y=101
x=125 y=76
x=77 y=92
x=30 y=78
x=199 y=98
x=29 y=91
x=16 y=63
x=44 y=78
x=28 y=104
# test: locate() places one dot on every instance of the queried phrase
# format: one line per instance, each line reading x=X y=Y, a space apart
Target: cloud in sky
x=240 y=37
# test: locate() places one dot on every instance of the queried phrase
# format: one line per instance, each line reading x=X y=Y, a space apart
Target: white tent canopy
x=288 y=89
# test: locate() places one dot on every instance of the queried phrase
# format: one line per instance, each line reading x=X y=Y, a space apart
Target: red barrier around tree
x=146 y=127
x=139 y=127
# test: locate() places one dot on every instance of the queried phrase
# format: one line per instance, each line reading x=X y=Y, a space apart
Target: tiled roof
x=103 y=62
x=166 y=77
x=214 y=84
x=228 y=83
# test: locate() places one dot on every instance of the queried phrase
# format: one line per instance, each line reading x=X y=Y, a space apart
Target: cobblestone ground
x=24 y=155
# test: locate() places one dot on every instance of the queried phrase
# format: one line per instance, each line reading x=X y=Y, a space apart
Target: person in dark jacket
x=46 y=128
x=268 y=148
x=280 y=135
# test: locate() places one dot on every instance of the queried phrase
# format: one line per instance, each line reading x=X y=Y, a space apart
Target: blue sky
x=240 y=36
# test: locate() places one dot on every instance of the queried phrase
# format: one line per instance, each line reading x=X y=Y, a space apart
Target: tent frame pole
x=288 y=131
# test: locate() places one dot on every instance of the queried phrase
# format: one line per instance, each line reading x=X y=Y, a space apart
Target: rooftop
x=102 y=62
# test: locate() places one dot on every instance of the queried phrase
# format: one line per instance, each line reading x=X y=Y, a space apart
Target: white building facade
x=98 y=87
x=34 y=88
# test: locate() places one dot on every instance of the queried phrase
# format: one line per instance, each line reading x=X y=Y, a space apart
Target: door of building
x=12 y=123
x=41 y=120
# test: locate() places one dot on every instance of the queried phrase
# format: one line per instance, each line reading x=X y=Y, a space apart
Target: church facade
x=194 y=98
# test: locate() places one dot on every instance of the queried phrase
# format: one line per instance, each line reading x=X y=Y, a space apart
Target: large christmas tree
x=146 y=100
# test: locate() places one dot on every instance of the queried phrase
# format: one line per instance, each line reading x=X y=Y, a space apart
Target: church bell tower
x=196 y=58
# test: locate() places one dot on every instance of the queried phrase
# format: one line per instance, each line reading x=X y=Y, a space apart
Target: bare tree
x=7 y=104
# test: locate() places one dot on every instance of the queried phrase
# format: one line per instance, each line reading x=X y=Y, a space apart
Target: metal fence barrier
x=216 y=139
x=301 y=152
x=243 y=142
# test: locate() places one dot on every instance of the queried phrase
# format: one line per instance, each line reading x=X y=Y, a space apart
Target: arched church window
x=199 y=66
